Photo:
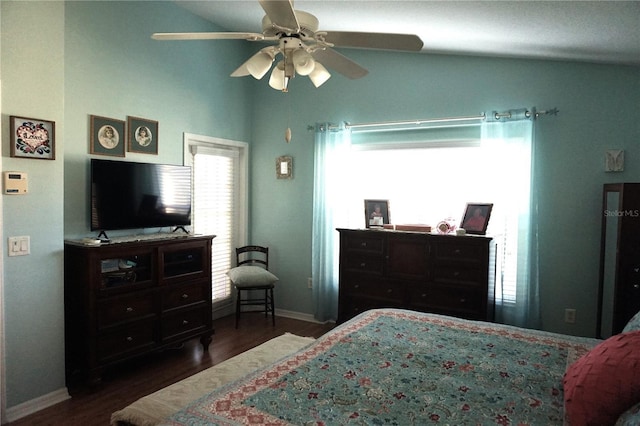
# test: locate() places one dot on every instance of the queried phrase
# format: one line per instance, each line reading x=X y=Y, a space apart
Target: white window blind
x=215 y=209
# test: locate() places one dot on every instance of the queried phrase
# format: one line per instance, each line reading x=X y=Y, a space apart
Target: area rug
x=152 y=409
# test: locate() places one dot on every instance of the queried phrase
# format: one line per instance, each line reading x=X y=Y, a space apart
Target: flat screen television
x=128 y=195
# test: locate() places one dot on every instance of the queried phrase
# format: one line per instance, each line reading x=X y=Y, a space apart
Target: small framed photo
x=32 y=138
x=476 y=218
x=143 y=135
x=376 y=213
x=284 y=167
x=107 y=136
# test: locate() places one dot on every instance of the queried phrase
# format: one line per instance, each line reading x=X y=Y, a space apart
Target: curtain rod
x=480 y=117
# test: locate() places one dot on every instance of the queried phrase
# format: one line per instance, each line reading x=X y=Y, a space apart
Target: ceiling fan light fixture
x=278 y=80
x=259 y=64
x=319 y=75
x=303 y=61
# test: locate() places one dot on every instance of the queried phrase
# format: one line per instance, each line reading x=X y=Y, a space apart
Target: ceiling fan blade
x=339 y=63
x=208 y=36
x=408 y=42
x=281 y=13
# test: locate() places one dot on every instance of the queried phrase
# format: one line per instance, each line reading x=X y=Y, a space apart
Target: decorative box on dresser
x=444 y=274
x=127 y=299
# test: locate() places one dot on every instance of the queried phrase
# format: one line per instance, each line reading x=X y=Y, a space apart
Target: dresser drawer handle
x=463 y=300
x=129 y=339
x=363 y=244
x=457 y=251
x=185 y=322
x=356 y=286
x=423 y=295
x=363 y=265
x=129 y=309
x=185 y=296
x=456 y=273
x=389 y=290
x=636 y=286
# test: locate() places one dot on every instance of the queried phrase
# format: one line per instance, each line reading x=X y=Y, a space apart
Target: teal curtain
x=515 y=136
x=332 y=144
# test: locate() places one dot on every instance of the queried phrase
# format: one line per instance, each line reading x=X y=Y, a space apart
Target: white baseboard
x=29 y=407
x=298 y=315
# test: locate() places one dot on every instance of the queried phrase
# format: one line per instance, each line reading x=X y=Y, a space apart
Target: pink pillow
x=605 y=382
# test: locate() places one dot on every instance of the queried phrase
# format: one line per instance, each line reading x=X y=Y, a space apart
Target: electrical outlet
x=309 y=282
x=570 y=316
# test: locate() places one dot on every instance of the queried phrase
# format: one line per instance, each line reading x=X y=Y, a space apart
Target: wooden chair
x=251 y=274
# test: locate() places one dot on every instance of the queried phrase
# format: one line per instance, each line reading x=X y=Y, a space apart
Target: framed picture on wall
x=476 y=218
x=284 y=167
x=376 y=213
x=142 y=135
x=32 y=138
x=107 y=136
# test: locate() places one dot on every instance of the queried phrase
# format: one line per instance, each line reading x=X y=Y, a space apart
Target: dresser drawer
x=389 y=290
x=459 y=251
x=185 y=321
x=183 y=295
x=462 y=301
x=365 y=242
x=364 y=263
x=112 y=311
x=135 y=338
x=458 y=275
x=351 y=306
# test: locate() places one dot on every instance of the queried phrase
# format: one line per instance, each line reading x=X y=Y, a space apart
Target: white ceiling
x=592 y=31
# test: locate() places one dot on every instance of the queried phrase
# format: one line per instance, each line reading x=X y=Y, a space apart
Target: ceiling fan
x=303 y=48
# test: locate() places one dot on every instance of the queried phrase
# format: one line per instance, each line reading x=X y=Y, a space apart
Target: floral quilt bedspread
x=401 y=367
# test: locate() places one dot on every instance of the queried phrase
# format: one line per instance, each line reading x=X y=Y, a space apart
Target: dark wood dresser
x=127 y=299
x=443 y=274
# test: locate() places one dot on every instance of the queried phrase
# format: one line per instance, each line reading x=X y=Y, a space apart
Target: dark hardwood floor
x=128 y=382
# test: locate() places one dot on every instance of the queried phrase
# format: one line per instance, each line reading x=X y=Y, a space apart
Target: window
x=219 y=204
x=428 y=183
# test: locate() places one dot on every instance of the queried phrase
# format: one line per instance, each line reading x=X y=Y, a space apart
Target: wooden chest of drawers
x=445 y=274
x=127 y=299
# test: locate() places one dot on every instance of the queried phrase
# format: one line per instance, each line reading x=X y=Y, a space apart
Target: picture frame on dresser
x=376 y=213
x=476 y=218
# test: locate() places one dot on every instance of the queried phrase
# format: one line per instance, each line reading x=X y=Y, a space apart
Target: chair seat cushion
x=249 y=276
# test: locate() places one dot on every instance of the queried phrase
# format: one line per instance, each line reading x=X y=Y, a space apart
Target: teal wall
x=114 y=69
x=598 y=111
x=98 y=59
x=65 y=61
x=32 y=53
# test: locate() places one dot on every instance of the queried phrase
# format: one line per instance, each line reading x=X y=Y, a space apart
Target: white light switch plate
x=19 y=246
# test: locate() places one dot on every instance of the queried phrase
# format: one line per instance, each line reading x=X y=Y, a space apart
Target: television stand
x=131 y=299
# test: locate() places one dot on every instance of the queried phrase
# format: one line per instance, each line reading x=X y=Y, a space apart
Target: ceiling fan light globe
x=303 y=62
x=319 y=75
x=277 y=80
x=259 y=64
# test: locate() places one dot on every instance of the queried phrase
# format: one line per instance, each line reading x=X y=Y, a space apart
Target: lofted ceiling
x=590 y=31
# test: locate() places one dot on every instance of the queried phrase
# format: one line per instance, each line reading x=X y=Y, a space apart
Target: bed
x=393 y=366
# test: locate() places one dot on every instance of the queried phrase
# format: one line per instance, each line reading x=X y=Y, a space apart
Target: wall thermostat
x=15 y=183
